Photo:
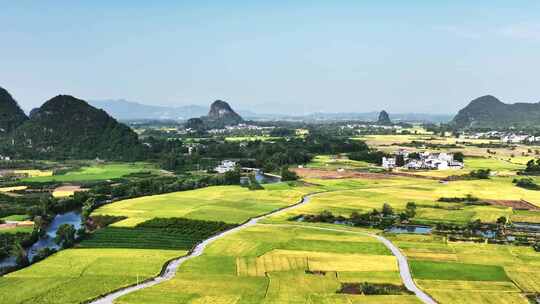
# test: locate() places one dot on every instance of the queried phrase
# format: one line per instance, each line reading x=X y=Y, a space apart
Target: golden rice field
x=11 y=189
x=74 y=275
x=259 y=265
x=233 y=204
x=521 y=268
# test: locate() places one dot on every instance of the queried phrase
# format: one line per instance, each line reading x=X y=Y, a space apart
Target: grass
x=431 y=270
x=95 y=172
x=16 y=217
x=335 y=162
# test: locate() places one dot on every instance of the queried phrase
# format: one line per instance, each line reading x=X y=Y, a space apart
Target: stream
x=47 y=241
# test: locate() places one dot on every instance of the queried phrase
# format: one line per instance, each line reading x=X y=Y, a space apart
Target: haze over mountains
x=128 y=110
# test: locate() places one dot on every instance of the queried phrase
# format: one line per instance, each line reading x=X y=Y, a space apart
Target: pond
x=264 y=178
x=410 y=229
x=47 y=241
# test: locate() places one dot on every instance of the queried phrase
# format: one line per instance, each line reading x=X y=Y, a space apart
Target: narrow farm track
x=404 y=270
x=172 y=267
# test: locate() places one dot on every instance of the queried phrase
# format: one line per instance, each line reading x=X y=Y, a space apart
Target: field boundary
x=170 y=267
x=403 y=263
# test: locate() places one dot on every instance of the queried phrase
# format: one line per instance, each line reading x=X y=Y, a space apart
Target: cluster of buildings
x=421 y=161
x=225 y=166
x=239 y=127
x=503 y=137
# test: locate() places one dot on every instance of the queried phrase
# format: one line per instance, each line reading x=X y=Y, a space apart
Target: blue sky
x=274 y=56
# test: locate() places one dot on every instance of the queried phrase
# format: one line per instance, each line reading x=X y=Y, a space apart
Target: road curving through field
x=170 y=270
x=404 y=270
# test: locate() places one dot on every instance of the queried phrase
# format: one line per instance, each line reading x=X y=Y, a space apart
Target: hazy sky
x=274 y=56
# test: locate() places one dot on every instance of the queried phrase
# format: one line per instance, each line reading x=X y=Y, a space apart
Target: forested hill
x=11 y=115
x=220 y=115
x=67 y=127
x=490 y=112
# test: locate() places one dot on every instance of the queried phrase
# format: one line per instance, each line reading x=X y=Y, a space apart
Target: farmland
x=92 y=261
x=73 y=275
x=285 y=261
x=275 y=264
x=93 y=172
x=453 y=272
x=231 y=204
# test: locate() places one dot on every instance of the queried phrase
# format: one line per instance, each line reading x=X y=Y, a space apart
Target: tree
x=410 y=209
x=233 y=177
x=21 y=257
x=65 y=235
x=288 y=175
x=458 y=156
x=387 y=210
x=400 y=160
x=87 y=208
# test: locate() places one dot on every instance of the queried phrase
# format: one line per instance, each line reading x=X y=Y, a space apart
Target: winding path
x=170 y=270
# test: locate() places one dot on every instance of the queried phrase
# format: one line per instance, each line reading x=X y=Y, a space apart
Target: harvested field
x=515 y=204
x=335 y=174
x=67 y=190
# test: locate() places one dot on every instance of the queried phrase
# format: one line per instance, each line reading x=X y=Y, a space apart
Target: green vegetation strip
x=158 y=233
x=429 y=270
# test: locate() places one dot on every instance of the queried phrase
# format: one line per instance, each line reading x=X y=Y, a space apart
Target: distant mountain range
x=489 y=112
x=128 y=110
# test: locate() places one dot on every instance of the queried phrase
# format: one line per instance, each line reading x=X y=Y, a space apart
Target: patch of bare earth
x=336 y=174
x=517 y=205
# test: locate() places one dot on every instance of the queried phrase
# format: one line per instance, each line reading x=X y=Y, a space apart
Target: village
x=421 y=161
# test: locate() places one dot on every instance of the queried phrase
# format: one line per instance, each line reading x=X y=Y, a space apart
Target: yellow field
x=257 y=265
x=10 y=189
x=232 y=204
x=34 y=173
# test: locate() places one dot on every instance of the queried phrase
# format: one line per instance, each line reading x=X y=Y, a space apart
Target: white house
x=225 y=166
x=389 y=162
x=2 y=157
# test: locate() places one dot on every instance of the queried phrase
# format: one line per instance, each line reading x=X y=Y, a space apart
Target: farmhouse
x=225 y=166
x=3 y=157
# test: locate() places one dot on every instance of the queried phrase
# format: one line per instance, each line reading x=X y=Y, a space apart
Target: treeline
x=271 y=156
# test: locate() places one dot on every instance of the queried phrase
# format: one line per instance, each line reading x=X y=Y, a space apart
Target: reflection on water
x=410 y=229
x=47 y=241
